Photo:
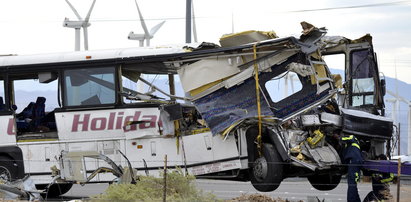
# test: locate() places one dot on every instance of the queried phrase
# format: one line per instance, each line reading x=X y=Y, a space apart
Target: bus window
x=91 y=86
x=283 y=86
x=140 y=91
x=35 y=103
x=24 y=93
x=336 y=63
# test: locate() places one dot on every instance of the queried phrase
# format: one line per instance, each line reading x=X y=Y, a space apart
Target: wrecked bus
x=232 y=122
x=236 y=90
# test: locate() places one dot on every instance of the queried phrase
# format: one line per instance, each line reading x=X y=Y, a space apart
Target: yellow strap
x=355 y=145
x=348 y=138
x=388 y=179
x=257 y=93
x=177 y=134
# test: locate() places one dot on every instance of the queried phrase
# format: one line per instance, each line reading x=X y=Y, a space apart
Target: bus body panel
x=92 y=124
x=7 y=130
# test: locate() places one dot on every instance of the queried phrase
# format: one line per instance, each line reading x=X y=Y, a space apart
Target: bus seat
x=49 y=121
x=27 y=112
x=22 y=126
x=39 y=111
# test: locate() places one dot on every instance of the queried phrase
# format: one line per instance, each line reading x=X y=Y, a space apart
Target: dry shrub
x=179 y=188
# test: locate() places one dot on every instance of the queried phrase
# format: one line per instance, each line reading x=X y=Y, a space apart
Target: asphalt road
x=293 y=189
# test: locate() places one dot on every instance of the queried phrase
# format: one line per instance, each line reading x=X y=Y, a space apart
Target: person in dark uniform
x=380 y=185
x=351 y=157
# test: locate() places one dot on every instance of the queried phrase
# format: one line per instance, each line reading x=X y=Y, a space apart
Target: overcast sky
x=30 y=27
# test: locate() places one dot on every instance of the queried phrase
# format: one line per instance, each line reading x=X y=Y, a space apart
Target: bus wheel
x=6 y=169
x=55 y=190
x=324 y=182
x=267 y=170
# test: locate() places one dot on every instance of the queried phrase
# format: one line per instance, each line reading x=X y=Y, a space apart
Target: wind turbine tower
x=147 y=35
x=78 y=24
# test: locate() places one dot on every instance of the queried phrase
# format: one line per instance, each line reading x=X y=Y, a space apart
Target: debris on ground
x=257 y=198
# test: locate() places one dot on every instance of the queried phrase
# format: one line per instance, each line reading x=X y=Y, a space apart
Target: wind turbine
x=395 y=111
x=147 y=35
x=194 y=23
x=78 y=24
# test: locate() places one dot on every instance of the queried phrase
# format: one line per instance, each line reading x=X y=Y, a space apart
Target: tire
x=7 y=170
x=266 y=172
x=54 y=190
x=324 y=182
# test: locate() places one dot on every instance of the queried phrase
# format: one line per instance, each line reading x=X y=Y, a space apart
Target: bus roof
x=150 y=60
x=93 y=55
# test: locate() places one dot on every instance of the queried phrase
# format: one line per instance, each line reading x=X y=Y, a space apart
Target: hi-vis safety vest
x=351 y=139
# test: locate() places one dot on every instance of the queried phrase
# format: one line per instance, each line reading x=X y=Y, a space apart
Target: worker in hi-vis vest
x=380 y=185
x=351 y=157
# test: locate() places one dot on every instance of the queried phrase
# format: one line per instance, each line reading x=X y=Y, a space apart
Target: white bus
x=69 y=117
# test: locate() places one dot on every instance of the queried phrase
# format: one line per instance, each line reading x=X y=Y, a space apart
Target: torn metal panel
x=300 y=69
x=366 y=124
x=246 y=37
x=337 y=43
x=334 y=119
x=263 y=65
x=206 y=71
x=308 y=165
x=224 y=107
x=324 y=155
x=208 y=75
x=73 y=167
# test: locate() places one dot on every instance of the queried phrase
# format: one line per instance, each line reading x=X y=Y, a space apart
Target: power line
x=351 y=7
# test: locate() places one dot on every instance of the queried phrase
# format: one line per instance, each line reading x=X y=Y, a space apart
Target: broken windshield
x=362 y=79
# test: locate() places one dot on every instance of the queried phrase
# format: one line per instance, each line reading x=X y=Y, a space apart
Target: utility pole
x=188 y=20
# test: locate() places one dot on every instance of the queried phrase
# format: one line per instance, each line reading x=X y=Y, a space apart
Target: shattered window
x=362 y=74
x=91 y=86
x=282 y=86
x=363 y=85
x=137 y=91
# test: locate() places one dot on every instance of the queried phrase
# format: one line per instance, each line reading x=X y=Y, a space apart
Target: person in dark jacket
x=351 y=157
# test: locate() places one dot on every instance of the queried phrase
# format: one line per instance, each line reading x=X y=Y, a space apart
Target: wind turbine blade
x=194 y=23
x=89 y=12
x=85 y=32
x=74 y=10
x=143 y=24
x=156 y=28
